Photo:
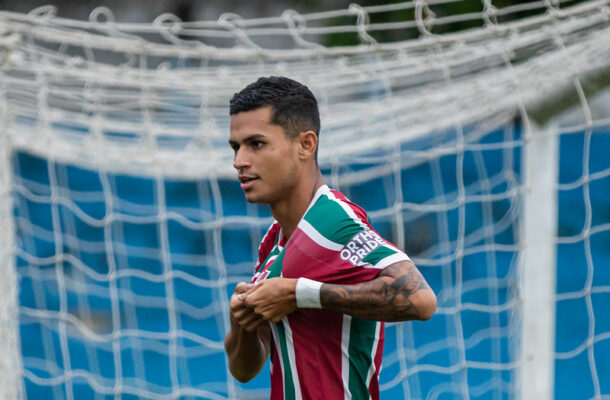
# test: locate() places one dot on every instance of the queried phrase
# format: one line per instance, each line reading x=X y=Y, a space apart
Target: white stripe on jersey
x=318 y=237
x=389 y=260
x=372 y=368
x=347 y=325
x=292 y=358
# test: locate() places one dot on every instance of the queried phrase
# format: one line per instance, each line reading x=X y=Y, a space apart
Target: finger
x=254 y=287
x=243 y=287
x=237 y=301
x=272 y=317
x=253 y=325
x=242 y=313
x=250 y=299
x=251 y=317
x=267 y=313
x=249 y=321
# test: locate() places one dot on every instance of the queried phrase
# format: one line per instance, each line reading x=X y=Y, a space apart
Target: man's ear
x=308 y=144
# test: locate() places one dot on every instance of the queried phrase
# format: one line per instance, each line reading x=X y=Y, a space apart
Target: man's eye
x=257 y=144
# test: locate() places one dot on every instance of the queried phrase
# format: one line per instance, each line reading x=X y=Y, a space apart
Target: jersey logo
x=259 y=276
x=361 y=245
x=264 y=273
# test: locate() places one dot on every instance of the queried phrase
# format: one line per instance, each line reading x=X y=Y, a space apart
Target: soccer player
x=324 y=280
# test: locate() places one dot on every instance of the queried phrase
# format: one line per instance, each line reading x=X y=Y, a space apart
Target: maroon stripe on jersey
x=305 y=258
x=318 y=361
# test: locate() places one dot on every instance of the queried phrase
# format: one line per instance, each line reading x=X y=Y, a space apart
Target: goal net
x=476 y=141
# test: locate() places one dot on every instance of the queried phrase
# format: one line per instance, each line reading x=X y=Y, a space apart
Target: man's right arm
x=248 y=342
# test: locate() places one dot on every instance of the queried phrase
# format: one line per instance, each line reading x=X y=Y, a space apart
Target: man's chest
x=293 y=260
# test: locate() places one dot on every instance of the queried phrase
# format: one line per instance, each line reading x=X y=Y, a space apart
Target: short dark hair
x=294 y=107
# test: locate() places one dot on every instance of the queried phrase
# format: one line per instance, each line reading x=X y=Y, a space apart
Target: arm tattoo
x=385 y=298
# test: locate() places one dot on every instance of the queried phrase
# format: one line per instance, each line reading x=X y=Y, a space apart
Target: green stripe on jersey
x=362 y=339
x=379 y=254
x=274 y=251
x=331 y=220
x=275 y=269
x=289 y=390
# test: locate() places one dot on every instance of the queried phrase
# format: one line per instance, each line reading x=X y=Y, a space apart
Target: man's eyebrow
x=254 y=136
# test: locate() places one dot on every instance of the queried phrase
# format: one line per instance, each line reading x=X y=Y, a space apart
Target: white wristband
x=308 y=293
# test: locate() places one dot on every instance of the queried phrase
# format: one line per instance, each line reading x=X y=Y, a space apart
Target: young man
x=324 y=278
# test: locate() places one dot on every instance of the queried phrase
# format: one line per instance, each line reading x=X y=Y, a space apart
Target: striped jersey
x=323 y=354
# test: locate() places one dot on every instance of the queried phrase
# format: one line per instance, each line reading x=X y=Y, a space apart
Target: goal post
x=476 y=150
x=537 y=275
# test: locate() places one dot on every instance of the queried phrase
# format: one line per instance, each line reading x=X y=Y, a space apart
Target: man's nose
x=240 y=160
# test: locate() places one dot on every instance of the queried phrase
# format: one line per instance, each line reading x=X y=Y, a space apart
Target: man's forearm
x=246 y=351
x=399 y=293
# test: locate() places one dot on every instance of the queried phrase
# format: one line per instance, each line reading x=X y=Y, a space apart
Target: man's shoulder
x=336 y=205
x=335 y=217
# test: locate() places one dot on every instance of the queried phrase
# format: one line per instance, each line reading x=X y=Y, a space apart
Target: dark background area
x=198 y=10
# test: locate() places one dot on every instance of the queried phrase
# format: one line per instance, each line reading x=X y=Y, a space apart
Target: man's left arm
x=398 y=293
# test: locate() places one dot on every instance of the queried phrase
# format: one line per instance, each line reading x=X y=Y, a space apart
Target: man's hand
x=245 y=316
x=248 y=342
x=273 y=299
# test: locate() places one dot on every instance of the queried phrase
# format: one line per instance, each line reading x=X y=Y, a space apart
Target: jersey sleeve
x=338 y=244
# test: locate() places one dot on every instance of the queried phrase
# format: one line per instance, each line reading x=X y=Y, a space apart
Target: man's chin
x=252 y=197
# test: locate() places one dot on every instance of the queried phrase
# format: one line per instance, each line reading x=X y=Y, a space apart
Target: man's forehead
x=255 y=122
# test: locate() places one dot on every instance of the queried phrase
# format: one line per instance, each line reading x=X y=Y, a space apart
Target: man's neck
x=289 y=211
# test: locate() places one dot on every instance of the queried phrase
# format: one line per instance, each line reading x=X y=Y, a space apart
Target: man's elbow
x=242 y=376
x=236 y=368
x=427 y=305
x=242 y=371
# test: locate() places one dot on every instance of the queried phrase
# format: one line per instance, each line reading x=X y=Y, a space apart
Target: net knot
x=102 y=15
x=102 y=19
x=44 y=12
x=490 y=13
x=424 y=17
x=553 y=10
x=169 y=26
x=362 y=23
x=230 y=21
x=296 y=25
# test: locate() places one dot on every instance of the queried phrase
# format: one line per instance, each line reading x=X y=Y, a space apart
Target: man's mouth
x=247 y=181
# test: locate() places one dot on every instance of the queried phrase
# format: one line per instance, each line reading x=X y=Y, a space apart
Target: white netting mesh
x=131 y=230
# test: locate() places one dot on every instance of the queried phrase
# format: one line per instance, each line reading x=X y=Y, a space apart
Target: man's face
x=265 y=159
